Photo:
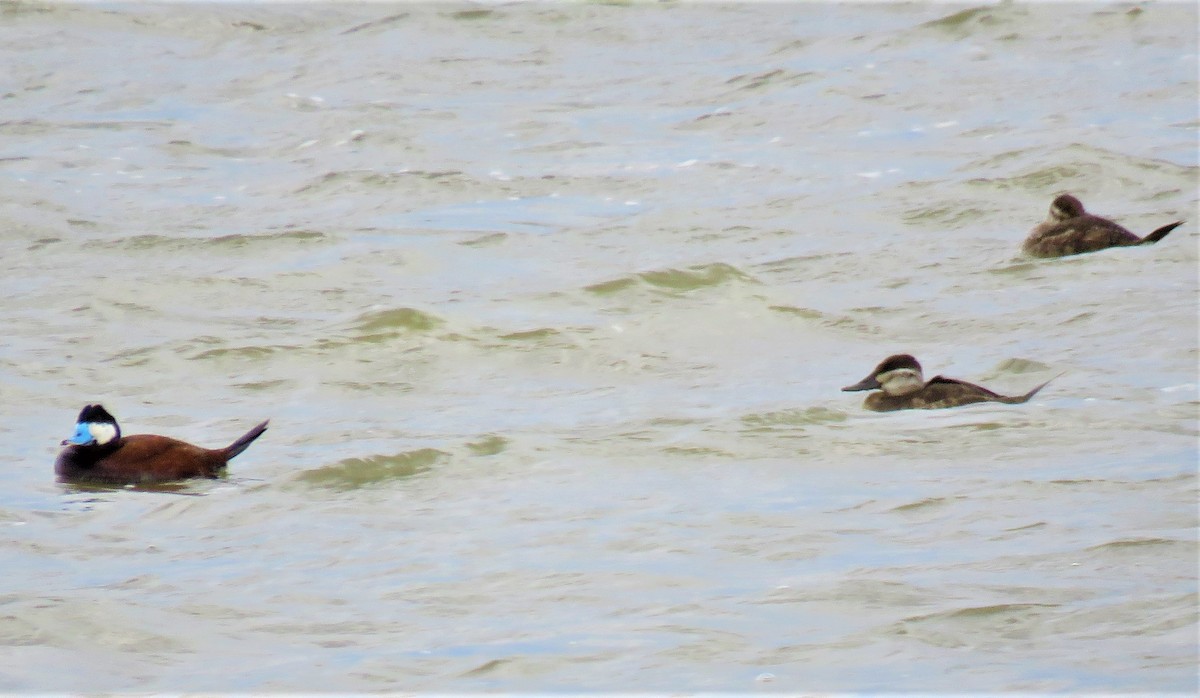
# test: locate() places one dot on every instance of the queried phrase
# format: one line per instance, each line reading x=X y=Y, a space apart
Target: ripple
x=551 y=213
x=968 y=626
x=986 y=19
x=1016 y=365
x=840 y=322
x=393 y=321
x=353 y=473
x=677 y=280
x=1137 y=543
x=926 y=503
x=251 y=352
x=793 y=418
x=333 y=182
x=489 y=445
x=944 y=216
x=527 y=335
x=779 y=78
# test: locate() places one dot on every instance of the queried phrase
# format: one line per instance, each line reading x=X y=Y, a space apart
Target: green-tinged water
x=550 y=306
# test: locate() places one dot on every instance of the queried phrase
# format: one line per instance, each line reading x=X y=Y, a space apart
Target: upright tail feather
x=243 y=443
x=1160 y=233
x=1018 y=399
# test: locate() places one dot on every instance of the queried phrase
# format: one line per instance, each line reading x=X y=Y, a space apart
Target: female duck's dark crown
x=95 y=414
x=899 y=361
x=1068 y=205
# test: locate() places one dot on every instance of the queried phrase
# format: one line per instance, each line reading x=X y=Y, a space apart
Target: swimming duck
x=97 y=452
x=1071 y=230
x=904 y=388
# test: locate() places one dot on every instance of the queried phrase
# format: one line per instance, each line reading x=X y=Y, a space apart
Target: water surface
x=550 y=306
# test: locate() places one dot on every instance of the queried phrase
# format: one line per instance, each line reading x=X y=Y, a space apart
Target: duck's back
x=1077 y=235
x=938 y=393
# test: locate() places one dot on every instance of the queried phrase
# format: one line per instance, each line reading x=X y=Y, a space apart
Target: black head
x=94 y=427
x=95 y=414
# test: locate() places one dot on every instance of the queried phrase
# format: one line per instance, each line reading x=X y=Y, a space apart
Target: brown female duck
x=1069 y=229
x=903 y=387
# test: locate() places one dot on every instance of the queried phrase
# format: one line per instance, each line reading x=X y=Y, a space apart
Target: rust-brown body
x=146 y=458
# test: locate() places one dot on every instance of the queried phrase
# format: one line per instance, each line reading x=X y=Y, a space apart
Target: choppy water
x=550 y=306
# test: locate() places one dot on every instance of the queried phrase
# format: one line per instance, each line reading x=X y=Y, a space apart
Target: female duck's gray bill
x=868 y=383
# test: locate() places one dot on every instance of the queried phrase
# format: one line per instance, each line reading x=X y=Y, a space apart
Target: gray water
x=550 y=306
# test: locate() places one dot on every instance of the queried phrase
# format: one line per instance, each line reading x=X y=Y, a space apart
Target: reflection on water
x=550 y=307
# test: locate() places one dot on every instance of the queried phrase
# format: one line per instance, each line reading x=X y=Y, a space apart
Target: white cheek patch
x=102 y=433
x=901 y=381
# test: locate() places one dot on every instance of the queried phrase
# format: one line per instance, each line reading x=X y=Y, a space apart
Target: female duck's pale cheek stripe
x=901 y=381
x=102 y=433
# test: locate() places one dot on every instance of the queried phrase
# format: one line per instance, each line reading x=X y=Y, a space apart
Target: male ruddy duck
x=903 y=388
x=98 y=453
x=1071 y=230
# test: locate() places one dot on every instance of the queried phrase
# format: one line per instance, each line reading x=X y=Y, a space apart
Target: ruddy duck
x=904 y=388
x=1071 y=230
x=98 y=453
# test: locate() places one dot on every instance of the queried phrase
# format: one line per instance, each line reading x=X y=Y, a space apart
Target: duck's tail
x=1160 y=233
x=1018 y=399
x=243 y=443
